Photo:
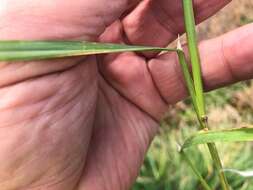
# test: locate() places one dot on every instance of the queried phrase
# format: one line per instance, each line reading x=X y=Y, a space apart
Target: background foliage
x=229 y=107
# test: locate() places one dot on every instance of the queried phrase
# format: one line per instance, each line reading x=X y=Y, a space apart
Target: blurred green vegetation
x=164 y=168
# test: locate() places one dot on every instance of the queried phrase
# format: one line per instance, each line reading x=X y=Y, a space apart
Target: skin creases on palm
x=47 y=108
x=46 y=128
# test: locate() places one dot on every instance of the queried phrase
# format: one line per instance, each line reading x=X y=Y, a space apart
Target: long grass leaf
x=195 y=170
x=190 y=27
x=187 y=76
x=194 y=53
x=229 y=135
x=37 y=50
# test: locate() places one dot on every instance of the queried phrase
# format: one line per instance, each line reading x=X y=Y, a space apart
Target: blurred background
x=229 y=107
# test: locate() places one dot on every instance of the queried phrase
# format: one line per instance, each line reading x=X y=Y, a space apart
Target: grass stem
x=194 y=53
x=190 y=27
x=195 y=170
x=187 y=74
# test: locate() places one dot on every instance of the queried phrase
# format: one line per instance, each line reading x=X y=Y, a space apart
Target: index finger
x=225 y=60
x=158 y=22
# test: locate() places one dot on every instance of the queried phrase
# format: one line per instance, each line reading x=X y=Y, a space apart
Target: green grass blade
x=194 y=53
x=37 y=50
x=195 y=170
x=229 y=135
x=187 y=76
x=190 y=27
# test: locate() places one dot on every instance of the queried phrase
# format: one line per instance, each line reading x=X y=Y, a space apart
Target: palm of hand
x=75 y=124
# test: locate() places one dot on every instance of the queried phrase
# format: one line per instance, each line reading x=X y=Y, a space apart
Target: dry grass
x=237 y=13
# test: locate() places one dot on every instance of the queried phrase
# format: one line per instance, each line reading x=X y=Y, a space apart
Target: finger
x=158 y=22
x=129 y=74
x=225 y=60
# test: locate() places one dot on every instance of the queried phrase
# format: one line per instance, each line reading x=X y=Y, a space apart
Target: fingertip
x=113 y=33
x=228 y=58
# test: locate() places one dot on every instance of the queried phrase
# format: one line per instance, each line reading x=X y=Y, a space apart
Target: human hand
x=68 y=124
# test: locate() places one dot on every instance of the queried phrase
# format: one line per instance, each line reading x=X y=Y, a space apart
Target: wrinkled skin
x=85 y=123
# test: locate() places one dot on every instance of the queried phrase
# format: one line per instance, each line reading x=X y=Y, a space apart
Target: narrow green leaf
x=37 y=50
x=187 y=75
x=195 y=170
x=229 y=135
x=190 y=27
